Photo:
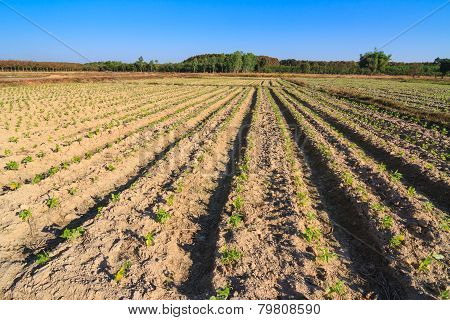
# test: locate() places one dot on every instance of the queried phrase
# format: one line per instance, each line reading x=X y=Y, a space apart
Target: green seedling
x=445 y=224
x=12 y=165
x=110 y=167
x=123 y=271
x=326 y=255
x=72 y=234
x=347 y=177
x=382 y=167
x=179 y=187
x=25 y=214
x=302 y=198
x=7 y=152
x=149 y=239
x=27 y=159
x=170 y=199
x=14 y=185
x=338 y=288
x=52 y=202
x=76 y=159
x=99 y=211
x=235 y=220
x=13 y=139
x=425 y=264
x=65 y=165
x=40 y=154
x=42 y=257
x=396 y=176
x=230 y=256
x=115 y=197
x=378 y=207
x=57 y=148
x=36 y=179
x=162 y=215
x=238 y=203
x=428 y=206
x=52 y=171
x=444 y=295
x=222 y=293
x=311 y=233
x=310 y=215
x=73 y=191
x=396 y=241
x=387 y=222
x=411 y=191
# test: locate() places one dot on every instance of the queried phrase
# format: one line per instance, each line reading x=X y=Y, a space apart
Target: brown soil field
x=144 y=186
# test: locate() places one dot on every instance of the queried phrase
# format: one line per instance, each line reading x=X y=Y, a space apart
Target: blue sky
x=174 y=30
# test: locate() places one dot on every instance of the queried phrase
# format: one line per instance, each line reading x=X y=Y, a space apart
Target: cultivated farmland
x=225 y=187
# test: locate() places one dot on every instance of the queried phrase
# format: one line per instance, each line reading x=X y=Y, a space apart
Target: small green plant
x=382 y=167
x=444 y=225
x=76 y=159
x=337 y=288
x=65 y=165
x=387 y=222
x=311 y=233
x=115 y=197
x=238 y=203
x=99 y=211
x=72 y=234
x=424 y=265
x=302 y=198
x=25 y=214
x=170 y=199
x=52 y=202
x=110 y=167
x=377 y=207
x=73 y=191
x=123 y=271
x=230 y=256
x=396 y=241
x=57 y=148
x=310 y=215
x=444 y=295
x=26 y=160
x=14 y=185
x=12 y=165
x=411 y=191
x=149 y=239
x=42 y=257
x=347 y=177
x=52 y=171
x=235 y=219
x=326 y=255
x=179 y=187
x=7 y=152
x=428 y=206
x=396 y=176
x=222 y=293
x=162 y=215
x=40 y=154
x=36 y=179
x=13 y=139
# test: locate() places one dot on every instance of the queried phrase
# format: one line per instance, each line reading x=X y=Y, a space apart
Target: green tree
x=236 y=62
x=248 y=62
x=375 y=61
x=140 y=64
x=444 y=65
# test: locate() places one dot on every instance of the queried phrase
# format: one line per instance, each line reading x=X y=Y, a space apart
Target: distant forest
x=376 y=62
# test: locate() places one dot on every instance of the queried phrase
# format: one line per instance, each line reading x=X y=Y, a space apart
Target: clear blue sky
x=174 y=30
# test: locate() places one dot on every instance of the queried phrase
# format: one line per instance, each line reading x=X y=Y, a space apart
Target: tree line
x=375 y=62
